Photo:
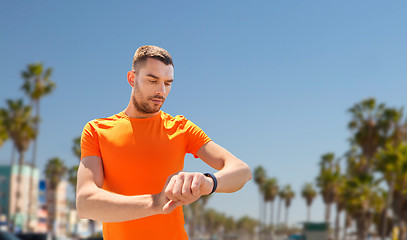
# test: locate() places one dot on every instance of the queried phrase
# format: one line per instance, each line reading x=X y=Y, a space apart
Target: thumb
x=170 y=206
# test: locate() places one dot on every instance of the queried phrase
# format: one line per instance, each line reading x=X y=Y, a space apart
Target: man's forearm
x=232 y=177
x=101 y=205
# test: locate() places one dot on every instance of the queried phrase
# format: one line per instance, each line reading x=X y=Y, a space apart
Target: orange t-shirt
x=138 y=155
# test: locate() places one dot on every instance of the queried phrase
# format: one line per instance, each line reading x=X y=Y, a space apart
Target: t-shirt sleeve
x=89 y=142
x=195 y=138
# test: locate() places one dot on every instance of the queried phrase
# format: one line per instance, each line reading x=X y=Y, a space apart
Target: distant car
x=296 y=237
x=32 y=236
x=8 y=236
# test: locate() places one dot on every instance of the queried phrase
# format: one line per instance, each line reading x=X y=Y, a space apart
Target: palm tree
x=260 y=177
x=362 y=194
x=4 y=134
x=393 y=131
x=367 y=125
x=76 y=148
x=213 y=221
x=193 y=214
x=327 y=181
x=340 y=203
x=72 y=177
x=391 y=123
x=3 y=130
x=281 y=198
x=229 y=226
x=55 y=171
x=37 y=84
x=392 y=162
x=19 y=124
x=376 y=127
x=270 y=193
x=289 y=195
x=309 y=193
x=246 y=226
x=72 y=172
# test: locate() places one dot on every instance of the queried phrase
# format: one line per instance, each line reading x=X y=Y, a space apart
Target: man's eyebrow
x=155 y=77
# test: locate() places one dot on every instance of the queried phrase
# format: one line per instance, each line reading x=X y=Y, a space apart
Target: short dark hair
x=149 y=51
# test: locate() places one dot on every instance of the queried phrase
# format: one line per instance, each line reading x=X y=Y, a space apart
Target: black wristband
x=215 y=181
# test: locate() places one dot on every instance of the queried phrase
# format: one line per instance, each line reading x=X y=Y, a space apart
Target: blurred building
x=316 y=231
x=57 y=208
x=13 y=208
x=42 y=225
x=82 y=227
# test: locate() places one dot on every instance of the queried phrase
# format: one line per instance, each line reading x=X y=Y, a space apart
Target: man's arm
x=232 y=175
x=93 y=202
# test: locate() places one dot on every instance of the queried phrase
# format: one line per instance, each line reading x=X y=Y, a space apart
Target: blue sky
x=271 y=81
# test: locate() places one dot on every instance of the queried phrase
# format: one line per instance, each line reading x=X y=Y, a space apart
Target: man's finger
x=170 y=206
x=177 y=189
x=186 y=187
x=169 y=189
x=195 y=186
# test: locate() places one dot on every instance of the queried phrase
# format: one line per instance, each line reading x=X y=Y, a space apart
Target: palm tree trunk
x=286 y=217
x=30 y=186
x=389 y=201
x=278 y=211
x=402 y=230
x=260 y=216
x=53 y=217
x=92 y=226
x=18 y=187
x=327 y=212
x=13 y=155
x=361 y=223
x=345 y=226
x=309 y=213
x=337 y=218
x=271 y=219
x=265 y=214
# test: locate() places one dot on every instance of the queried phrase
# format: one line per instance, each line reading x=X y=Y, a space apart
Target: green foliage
x=260 y=177
x=213 y=220
x=363 y=195
x=55 y=171
x=19 y=124
x=37 y=83
x=288 y=194
x=308 y=193
x=270 y=189
x=72 y=176
x=76 y=148
x=246 y=225
x=327 y=179
x=3 y=131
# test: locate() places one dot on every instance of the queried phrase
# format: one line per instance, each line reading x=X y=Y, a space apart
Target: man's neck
x=132 y=112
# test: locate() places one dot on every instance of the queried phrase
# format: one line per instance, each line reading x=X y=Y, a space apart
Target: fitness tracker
x=215 y=181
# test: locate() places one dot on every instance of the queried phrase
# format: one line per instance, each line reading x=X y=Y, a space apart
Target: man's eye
x=167 y=84
x=153 y=81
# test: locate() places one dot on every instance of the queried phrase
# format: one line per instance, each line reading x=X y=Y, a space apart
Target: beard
x=143 y=104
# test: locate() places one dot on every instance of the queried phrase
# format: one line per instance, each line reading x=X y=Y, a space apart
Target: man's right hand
x=162 y=203
x=181 y=188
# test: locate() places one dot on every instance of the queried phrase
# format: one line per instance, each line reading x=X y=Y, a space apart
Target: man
x=130 y=175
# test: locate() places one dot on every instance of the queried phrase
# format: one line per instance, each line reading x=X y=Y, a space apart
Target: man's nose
x=160 y=89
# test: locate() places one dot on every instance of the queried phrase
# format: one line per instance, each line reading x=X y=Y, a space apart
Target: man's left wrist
x=214 y=182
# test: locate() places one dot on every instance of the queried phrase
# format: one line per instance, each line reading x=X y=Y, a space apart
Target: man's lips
x=157 y=100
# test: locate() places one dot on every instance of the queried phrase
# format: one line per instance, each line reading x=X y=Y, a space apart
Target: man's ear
x=131 y=76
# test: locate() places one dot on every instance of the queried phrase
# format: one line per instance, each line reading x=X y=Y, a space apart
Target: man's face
x=152 y=84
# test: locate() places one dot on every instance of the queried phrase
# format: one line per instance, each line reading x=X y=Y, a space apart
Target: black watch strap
x=215 y=181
